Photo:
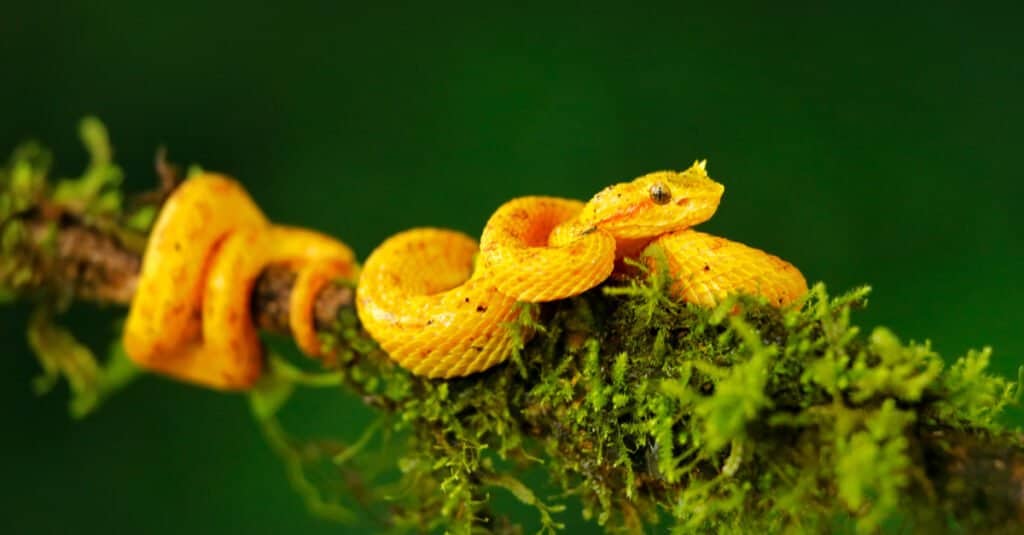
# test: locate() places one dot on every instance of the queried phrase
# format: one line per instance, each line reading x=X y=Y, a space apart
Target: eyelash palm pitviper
x=435 y=302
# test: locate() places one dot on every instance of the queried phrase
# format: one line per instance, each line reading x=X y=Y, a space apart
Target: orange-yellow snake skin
x=435 y=302
x=437 y=315
x=190 y=315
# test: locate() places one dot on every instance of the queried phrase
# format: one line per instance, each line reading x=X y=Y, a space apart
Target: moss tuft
x=25 y=267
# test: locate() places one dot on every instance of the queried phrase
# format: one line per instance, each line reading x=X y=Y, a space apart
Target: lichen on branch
x=646 y=411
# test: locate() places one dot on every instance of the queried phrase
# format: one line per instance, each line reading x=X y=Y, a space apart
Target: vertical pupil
x=660 y=194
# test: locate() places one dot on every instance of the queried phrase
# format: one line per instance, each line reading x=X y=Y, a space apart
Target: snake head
x=654 y=204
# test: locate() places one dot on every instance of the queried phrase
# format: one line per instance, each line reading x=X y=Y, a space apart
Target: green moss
x=93 y=198
x=62 y=356
x=650 y=411
x=97 y=191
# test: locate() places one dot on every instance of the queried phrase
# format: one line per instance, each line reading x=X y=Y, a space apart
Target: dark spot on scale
x=481 y=308
x=467 y=300
x=478 y=348
x=707 y=267
x=430 y=322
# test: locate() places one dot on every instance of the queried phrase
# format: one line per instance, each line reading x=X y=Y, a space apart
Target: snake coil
x=190 y=315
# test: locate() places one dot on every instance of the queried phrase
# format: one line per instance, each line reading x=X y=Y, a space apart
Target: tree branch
x=98 y=267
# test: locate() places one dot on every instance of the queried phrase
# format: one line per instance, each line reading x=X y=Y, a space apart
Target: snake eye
x=660 y=193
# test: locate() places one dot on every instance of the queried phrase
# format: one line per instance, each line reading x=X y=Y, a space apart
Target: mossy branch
x=644 y=409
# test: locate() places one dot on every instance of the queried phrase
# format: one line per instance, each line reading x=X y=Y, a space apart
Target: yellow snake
x=435 y=313
x=437 y=304
x=190 y=315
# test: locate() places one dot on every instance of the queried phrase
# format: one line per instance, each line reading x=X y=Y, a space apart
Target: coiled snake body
x=437 y=304
x=422 y=299
x=190 y=315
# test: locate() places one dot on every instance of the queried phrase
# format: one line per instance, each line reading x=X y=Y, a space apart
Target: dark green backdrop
x=867 y=144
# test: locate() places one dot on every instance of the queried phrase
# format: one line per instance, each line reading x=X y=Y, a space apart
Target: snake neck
x=573 y=229
x=568 y=231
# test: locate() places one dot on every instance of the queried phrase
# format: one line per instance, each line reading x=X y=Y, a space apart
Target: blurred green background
x=866 y=144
